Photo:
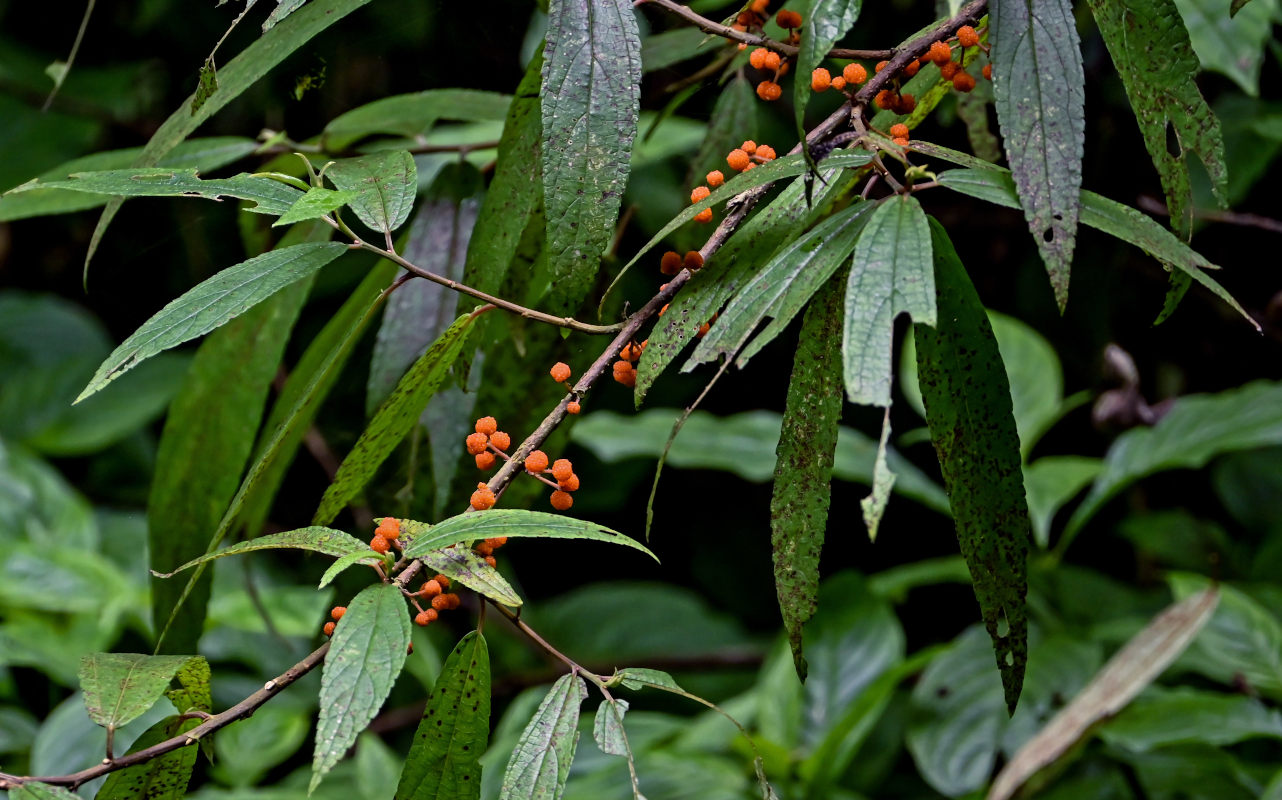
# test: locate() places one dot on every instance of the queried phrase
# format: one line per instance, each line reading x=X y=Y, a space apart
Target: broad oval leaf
x=540 y=764
x=119 y=687
x=316 y=203
x=644 y=677
x=394 y=419
x=513 y=522
x=1050 y=482
x=365 y=655
x=443 y=760
x=384 y=185
x=607 y=728
x=268 y=196
x=214 y=302
x=968 y=408
x=1230 y=40
x=1040 y=96
x=315 y=538
x=590 y=100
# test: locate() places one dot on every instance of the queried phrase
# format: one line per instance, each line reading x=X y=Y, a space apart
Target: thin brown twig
x=1155 y=206
x=717 y=29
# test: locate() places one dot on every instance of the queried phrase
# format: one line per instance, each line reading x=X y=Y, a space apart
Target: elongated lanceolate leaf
x=369 y=557
x=1039 y=87
x=1126 y=223
x=214 y=302
x=1156 y=63
x=1125 y=675
x=365 y=655
x=119 y=687
x=415 y=114
x=514 y=522
x=384 y=183
x=891 y=274
x=803 y=466
x=162 y=778
x=316 y=539
x=443 y=761
x=268 y=196
x=540 y=764
x=462 y=564
x=394 y=420
x=1241 y=642
x=823 y=23
x=591 y=91
x=968 y=408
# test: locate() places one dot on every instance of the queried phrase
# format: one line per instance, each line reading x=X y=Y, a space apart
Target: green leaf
x=268 y=196
x=968 y=408
x=513 y=522
x=1151 y=50
x=642 y=677
x=665 y=49
x=824 y=22
x=1242 y=641
x=412 y=115
x=1040 y=96
x=540 y=764
x=247 y=750
x=282 y=10
x=346 y=560
x=316 y=539
x=34 y=790
x=782 y=288
x=1195 y=430
x=590 y=96
x=883 y=480
x=384 y=184
x=119 y=687
x=463 y=565
x=891 y=274
x=803 y=466
x=607 y=728
x=316 y=203
x=733 y=119
x=365 y=655
x=1052 y=481
x=1106 y=215
x=1231 y=43
x=213 y=303
x=162 y=778
x=206 y=85
x=443 y=761
x=394 y=419
x=192 y=692
x=1187 y=715
x=255 y=61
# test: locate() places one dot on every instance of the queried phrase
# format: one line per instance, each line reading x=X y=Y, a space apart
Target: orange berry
x=748 y=147
x=483 y=549
x=562 y=469
x=746 y=18
x=788 y=19
x=772 y=60
x=441 y=602
x=570 y=484
x=454 y=600
x=949 y=70
x=742 y=45
x=476 y=443
x=442 y=580
x=487 y=425
x=625 y=373
x=739 y=26
x=337 y=612
x=630 y=352
x=492 y=561
x=692 y=262
x=782 y=69
x=573 y=407
x=378 y=544
x=738 y=160
x=715 y=178
x=967 y=36
x=430 y=589
x=329 y=629
x=854 y=73
x=988 y=71
x=704 y=216
x=501 y=440
x=483 y=497
x=497 y=541
x=562 y=501
x=426 y=617
x=699 y=193
x=912 y=68
x=760 y=6
x=766 y=153
x=906 y=104
x=820 y=80
x=750 y=166
x=902 y=141
x=536 y=462
x=963 y=81
x=484 y=460
x=757 y=58
x=388 y=532
x=769 y=91
x=899 y=131
x=885 y=99
x=560 y=372
x=665 y=308
x=839 y=83
x=880 y=66
x=670 y=264
x=939 y=52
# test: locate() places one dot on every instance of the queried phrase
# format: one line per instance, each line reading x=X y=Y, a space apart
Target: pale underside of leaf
x=540 y=764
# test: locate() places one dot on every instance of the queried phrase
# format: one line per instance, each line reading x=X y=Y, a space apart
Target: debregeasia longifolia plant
x=832 y=232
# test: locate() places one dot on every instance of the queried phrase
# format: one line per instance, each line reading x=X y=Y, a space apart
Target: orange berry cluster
x=625 y=371
x=336 y=613
x=851 y=75
x=536 y=463
x=941 y=54
x=441 y=600
x=388 y=531
x=741 y=159
x=486 y=549
x=489 y=440
x=673 y=262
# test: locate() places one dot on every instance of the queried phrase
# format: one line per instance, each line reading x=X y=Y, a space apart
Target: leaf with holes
x=1041 y=110
x=540 y=764
x=384 y=185
x=266 y=195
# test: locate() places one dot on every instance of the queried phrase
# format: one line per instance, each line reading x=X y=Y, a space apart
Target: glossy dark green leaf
x=316 y=539
x=1039 y=87
x=540 y=764
x=415 y=114
x=365 y=655
x=119 y=687
x=41 y=791
x=267 y=196
x=384 y=184
x=968 y=408
x=162 y=778
x=1183 y=715
x=891 y=273
x=823 y=22
x=1052 y=481
x=803 y=466
x=1197 y=428
x=1241 y=642
x=1153 y=56
x=464 y=565
x=394 y=419
x=213 y=303
x=1230 y=39
x=315 y=204
x=607 y=728
x=590 y=96
x=443 y=760
x=514 y=522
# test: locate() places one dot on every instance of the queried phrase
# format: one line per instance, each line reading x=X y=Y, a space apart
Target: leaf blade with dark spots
x=540 y=764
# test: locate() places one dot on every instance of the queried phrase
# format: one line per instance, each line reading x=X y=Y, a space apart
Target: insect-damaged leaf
x=384 y=183
x=162 y=778
x=803 y=466
x=268 y=196
x=607 y=727
x=968 y=407
x=1157 y=65
x=119 y=687
x=365 y=656
x=591 y=91
x=541 y=761
x=1038 y=83
x=464 y=565
x=443 y=761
